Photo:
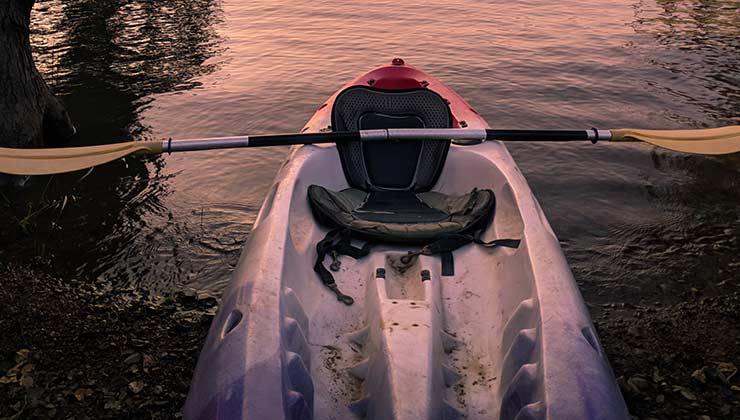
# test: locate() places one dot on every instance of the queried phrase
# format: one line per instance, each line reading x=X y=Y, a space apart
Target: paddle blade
x=68 y=159
x=709 y=141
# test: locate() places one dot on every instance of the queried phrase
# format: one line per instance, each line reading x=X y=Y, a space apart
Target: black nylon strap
x=447 y=243
x=322 y=248
x=344 y=247
x=337 y=241
x=450 y=242
x=507 y=243
x=448 y=264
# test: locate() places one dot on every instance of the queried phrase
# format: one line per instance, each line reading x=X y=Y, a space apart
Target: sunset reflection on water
x=190 y=68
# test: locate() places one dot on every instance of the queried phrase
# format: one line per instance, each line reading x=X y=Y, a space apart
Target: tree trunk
x=30 y=114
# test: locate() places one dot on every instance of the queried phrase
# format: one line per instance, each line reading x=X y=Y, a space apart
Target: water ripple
x=636 y=224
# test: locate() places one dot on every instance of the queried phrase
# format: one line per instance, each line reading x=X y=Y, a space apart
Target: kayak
x=490 y=327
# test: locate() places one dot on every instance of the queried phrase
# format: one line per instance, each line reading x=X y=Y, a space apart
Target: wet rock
x=657 y=377
x=22 y=355
x=133 y=358
x=8 y=379
x=728 y=370
x=638 y=384
x=148 y=361
x=685 y=392
x=35 y=397
x=112 y=405
x=26 y=381
x=26 y=369
x=699 y=376
x=77 y=374
x=136 y=386
x=82 y=393
x=138 y=343
x=714 y=375
x=634 y=331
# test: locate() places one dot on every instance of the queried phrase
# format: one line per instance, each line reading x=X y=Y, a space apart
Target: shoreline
x=72 y=350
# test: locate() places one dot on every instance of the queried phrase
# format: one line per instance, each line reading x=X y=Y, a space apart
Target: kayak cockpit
x=415 y=343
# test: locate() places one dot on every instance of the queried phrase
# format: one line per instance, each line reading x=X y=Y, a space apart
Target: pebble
x=728 y=369
x=714 y=375
x=634 y=331
x=26 y=381
x=657 y=377
x=699 y=376
x=81 y=393
x=22 y=355
x=148 y=361
x=134 y=358
x=686 y=393
x=136 y=386
x=638 y=383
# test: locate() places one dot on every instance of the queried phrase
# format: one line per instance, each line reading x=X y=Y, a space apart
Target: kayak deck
x=508 y=334
x=506 y=337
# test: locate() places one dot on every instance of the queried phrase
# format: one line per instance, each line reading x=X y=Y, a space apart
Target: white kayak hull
x=507 y=337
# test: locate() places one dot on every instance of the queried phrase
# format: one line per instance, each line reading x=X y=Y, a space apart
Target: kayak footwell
x=403 y=357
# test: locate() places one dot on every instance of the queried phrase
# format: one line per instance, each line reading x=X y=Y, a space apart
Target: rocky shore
x=69 y=350
x=679 y=361
x=72 y=350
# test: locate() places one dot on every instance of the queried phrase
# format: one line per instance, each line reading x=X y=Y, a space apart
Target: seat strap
x=450 y=242
x=337 y=242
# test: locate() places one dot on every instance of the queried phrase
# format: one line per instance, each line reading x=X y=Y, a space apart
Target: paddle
x=711 y=141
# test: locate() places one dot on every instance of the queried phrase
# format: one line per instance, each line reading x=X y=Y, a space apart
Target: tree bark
x=30 y=114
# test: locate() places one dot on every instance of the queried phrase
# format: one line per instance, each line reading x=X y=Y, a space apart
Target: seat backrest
x=391 y=165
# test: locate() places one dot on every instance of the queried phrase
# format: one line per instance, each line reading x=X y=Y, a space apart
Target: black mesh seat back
x=392 y=165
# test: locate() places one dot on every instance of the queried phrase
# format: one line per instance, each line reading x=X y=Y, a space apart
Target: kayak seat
x=389 y=198
x=400 y=216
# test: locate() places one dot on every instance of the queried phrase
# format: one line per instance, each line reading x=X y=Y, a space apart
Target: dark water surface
x=638 y=224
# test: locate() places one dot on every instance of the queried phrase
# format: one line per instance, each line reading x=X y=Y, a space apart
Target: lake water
x=637 y=224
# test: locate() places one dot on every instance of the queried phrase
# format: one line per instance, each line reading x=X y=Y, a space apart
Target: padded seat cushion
x=401 y=216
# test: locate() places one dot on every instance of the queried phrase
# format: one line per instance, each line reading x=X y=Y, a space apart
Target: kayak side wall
x=565 y=353
x=261 y=367
x=240 y=371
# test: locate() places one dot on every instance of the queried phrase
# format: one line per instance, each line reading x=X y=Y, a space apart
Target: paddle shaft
x=708 y=141
x=592 y=135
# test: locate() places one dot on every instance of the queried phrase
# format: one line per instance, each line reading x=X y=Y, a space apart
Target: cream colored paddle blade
x=68 y=159
x=709 y=141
